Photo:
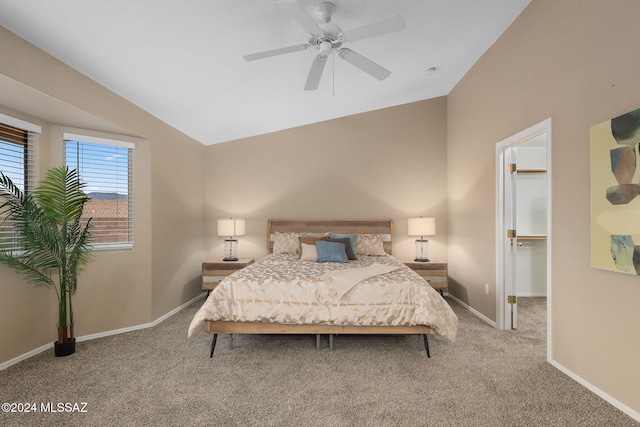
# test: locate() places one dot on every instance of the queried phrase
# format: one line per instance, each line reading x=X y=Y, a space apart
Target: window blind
x=106 y=167
x=18 y=161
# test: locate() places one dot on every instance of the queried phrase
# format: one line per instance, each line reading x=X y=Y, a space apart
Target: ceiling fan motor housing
x=324 y=11
x=331 y=35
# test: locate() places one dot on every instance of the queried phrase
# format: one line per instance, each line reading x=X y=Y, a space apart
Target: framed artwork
x=615 y=194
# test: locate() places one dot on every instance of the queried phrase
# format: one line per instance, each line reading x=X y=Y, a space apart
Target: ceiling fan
x=327 y=38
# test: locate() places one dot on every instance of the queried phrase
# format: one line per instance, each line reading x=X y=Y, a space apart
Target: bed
x=289 y=292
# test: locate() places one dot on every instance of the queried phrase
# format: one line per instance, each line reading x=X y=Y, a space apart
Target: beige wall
x=575 y=61
x=119 y=289
x=388 y=163
x=25 y=329
x=178 y=223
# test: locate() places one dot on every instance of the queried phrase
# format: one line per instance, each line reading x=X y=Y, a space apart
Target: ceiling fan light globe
x=325 y=48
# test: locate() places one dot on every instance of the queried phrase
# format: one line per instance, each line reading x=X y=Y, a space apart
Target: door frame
x=544 y=127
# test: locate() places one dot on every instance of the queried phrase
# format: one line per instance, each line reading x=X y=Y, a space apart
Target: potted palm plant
x=54 y=243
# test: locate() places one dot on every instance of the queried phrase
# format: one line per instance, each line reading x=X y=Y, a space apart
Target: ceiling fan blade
x=317 y=66
x=274 y=52
x=300 y=16
x=366 y=65
x=384 y=26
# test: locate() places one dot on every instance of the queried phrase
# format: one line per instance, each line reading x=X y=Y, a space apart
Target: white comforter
x=282 y=289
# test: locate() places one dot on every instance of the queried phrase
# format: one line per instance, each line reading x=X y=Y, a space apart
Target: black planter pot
x=65 y=349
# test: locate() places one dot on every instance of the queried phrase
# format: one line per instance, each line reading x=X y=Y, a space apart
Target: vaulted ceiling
x=182 y=60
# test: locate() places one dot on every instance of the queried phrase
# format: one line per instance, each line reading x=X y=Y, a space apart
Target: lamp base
x=230 y=249
x=422 y=250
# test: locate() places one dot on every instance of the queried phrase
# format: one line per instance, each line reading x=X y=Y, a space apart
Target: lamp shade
x=231 y=227
x=421 y=226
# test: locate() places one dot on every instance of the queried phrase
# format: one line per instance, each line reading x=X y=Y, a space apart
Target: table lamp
x=421 y=227
x=230 y=227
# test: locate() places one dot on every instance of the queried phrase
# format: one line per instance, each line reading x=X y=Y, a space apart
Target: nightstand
x=434 y=272
x=214 y=270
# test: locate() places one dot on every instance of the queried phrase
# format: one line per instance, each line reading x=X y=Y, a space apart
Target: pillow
x=352 y=237
x=347 y=247
x=310 y=241
x=370 y=244
x=308 y=252
x=286 y=243
x=331 y=252
x=309 y=234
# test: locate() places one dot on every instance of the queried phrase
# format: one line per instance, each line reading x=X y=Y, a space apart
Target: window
x=18 y=148
x=105 y=166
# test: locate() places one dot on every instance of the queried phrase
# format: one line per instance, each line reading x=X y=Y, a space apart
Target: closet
x=531 y=218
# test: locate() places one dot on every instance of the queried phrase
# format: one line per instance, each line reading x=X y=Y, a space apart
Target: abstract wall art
x=615 y=194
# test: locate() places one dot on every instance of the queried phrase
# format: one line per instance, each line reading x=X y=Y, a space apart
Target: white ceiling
x=181 y=60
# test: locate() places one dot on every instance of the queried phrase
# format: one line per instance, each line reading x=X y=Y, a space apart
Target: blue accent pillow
x=347 y=247
x=331 y=251
x=352 y=238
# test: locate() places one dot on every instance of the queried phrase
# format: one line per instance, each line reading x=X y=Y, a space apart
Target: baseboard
x=138 y=327
x=25 y=356
x=624 y=408
x=49 y=346
x=474 y=311
x=607 y=397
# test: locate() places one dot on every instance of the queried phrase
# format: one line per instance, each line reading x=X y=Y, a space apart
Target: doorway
x=523 y=204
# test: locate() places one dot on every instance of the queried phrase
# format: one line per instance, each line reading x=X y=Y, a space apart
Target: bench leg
x=426 y=345
x=213 y=344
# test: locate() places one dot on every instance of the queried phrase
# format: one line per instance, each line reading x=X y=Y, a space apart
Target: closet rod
x=531 y=170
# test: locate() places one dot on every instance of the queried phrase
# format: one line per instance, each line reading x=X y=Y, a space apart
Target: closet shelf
x=531 y=170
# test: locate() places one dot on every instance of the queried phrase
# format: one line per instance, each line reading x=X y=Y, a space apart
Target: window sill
x=101 y=247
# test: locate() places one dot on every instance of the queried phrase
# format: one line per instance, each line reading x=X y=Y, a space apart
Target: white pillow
x=309 y=252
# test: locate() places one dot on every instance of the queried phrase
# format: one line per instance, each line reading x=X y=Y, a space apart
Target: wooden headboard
x=342 y=226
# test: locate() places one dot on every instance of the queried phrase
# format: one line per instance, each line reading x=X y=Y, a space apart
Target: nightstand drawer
x=439 y=285
x=435 y=272
x=214 y=270
x=210 y=282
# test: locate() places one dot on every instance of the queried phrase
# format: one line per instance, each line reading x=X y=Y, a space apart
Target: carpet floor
x=156 y=377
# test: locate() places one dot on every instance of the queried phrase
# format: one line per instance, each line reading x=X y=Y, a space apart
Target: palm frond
x=60 y=194
x=13 y=199
x=41 y=259
x=36 y=228
x=79 y=254
x=82 y=238
x=8 y=189
x=26 y=268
